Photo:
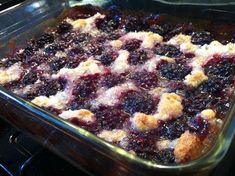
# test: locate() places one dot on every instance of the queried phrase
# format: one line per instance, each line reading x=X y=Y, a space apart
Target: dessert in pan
x=158 y=89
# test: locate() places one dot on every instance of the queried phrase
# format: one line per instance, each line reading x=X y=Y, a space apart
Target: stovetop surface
x=22 y=156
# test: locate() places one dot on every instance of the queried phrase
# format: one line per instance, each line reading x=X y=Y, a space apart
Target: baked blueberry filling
x=155 y=88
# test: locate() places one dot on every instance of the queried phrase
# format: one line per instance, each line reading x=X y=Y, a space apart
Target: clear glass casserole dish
x=73 y=143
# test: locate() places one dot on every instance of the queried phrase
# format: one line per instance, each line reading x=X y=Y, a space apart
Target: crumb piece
x=188 y=147
x=152 y=63
x=10 y=74
x=169 y=106
x=208 y=114
x=188 y=47
x=132 y=152
x=78 y=24
x=115 y=135
x=179 y=39
x=86 y=25
x=110 y=97
x=58 y=101
x=158 y=91
x=121 y=64
x=143 y=122
x=81 y=114
x=166 y=144
x=117 y=44
x=197 y=62
x=149 y=39
x=195 y=78
x=41 y=101
x=88 y=67
x=168 y=59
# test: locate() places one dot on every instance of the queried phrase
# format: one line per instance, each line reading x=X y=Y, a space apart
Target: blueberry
x=101 y=39
x=50 y=87
x=138 y=57
x=211 y=86
x=107 y=58
x=81 y=38
x=58 y=63
x=164 y=156
x=201 y=38
x=111 y=118
x=161 y=29
x=64 y=28
x=76 y=51
x=95 y=49
x=30 y=78
x=29 y=50
x=45 y=39
x=135 y=102
x=174 y=128
x=110 y=23
x=133 y=24
x=198 y=125
x=87 y=87
x=196 y=101
x=75 y=61
x=146 y=79
x=167 y=50
x=79 y=103
x=141 y=142
x=51 y=50
x=174 y=71
x=180 y=29
x=221 y=68
x=112 y=80
x=132 y=45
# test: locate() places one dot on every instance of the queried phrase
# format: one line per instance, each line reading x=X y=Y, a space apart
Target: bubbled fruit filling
x=120 y=67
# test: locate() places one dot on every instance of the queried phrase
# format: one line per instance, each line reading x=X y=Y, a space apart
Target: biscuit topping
x=169 y=106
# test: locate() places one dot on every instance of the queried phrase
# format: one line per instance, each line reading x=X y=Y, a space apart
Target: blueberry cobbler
x=154 y=88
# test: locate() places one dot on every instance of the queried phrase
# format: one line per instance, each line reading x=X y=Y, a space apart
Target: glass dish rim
x=213 y=155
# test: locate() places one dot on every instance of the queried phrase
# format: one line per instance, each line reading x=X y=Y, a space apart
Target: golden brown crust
x=169 y=106
x=208 y=114
x=195 y=78
x=188 y=147
x=143 y=121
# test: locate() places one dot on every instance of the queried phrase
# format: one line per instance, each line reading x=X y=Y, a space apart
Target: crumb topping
x=81 y=114
x=149 y=39
x=142 y=121
x=166 y=144
x=10 y=74
x=86 y=25
x=115 y=135
x=188 y=147
x=88 y=67
x=208 y=114
x=158 y=91
x=120 y=65
x=195 y=78
x=57 y=101
x=169 y=106
x=117 y=44
x=110 y=97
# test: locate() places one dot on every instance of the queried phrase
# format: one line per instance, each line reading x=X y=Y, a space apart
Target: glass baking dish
x=83 y=149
